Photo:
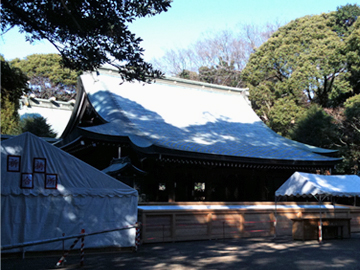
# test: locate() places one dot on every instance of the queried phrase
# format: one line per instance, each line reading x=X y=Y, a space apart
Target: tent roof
x=190 y=118
x=75 y=177
x=307 y=184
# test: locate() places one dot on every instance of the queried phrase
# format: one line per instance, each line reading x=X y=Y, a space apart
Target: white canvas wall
x=84 y=198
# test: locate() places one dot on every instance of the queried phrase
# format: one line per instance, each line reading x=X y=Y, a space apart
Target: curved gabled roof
x=307 y=184
x=191 y=118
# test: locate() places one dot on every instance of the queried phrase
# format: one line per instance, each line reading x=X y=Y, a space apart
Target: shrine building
x=180 y=140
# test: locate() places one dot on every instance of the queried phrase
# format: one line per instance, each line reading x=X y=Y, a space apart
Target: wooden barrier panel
x=308 y=228
x=199 y=221
x=188 y=225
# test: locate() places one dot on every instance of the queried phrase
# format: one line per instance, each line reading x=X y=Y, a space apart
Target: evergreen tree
x=317 y=128
x=10 y=121
x=13 y=86
x=38 y=126
x=87 y=33
x=350 y=137
x=47 y=77
x=311 y=60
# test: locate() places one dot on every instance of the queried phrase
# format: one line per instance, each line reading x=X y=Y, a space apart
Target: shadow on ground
x=254 y=253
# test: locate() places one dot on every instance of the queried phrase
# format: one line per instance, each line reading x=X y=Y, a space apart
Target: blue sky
x=186 y=20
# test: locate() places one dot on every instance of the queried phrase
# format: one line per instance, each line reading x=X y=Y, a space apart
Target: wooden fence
x=172 y=222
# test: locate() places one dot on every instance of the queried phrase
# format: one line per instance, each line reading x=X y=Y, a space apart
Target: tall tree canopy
x=87 y=33
x=309 y=60
x=316 y=127
x=350 y=137
x=353 y=56
x=13 y=86
x=47 y=77
x=14 y=82
x=305 y=82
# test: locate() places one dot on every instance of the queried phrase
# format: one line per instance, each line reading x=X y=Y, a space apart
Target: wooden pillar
x=209 y=225
x=272 y=223
x=241 y=224
x=173 y=227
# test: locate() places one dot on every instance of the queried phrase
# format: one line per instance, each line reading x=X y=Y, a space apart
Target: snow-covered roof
x=189 y=117
x=307 y=184
x=56 y=113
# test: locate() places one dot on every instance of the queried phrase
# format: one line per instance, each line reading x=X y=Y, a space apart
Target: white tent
x=319 y=186
x=46 y=192
x=307 y=184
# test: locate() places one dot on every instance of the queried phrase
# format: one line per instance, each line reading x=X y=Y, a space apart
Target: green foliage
x=316 y=128
x=207 y=74
x=13 y=86
x=222 y=74
x=13 y=83
x=311 y=60
x=9 y=118
x=353 y=57
x=87 y=33
x=284 y=114
x=300 y=78
x=301 y=60
x=345 y=17
x=46 y=73
x=350 y=137
x=352 y=108
x=38 y=126
x=189 y=75
x=47 y=66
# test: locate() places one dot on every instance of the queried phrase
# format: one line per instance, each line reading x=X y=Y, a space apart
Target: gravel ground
x=251 y=253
